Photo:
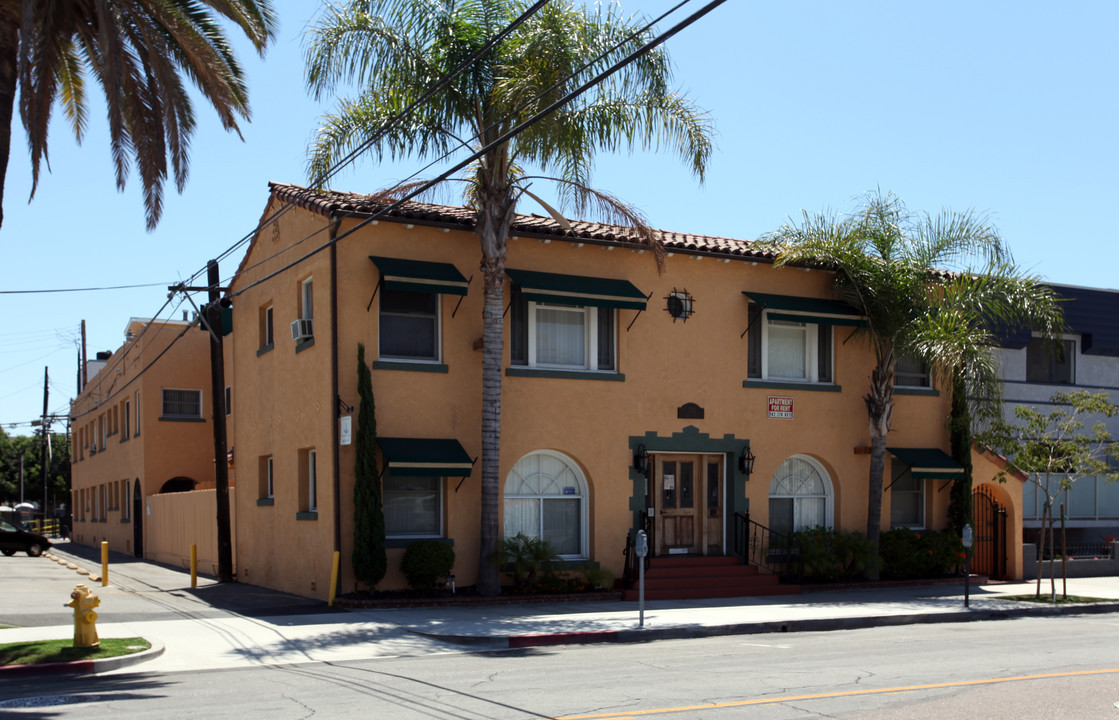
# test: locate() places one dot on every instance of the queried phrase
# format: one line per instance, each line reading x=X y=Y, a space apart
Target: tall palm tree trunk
x=9 y=57
x=879 y=408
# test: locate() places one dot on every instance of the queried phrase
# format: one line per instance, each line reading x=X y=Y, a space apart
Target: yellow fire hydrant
x=85 y=617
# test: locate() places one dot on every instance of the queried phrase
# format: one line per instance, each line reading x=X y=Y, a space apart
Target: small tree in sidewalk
x=1056 y=450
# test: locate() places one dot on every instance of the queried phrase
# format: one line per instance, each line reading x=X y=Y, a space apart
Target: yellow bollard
x=104 y=563
x=194 y=566
x=85 y=617
x=333 y=577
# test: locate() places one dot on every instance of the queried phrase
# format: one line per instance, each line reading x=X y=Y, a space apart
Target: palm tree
x=138 y=51
x=399 y=49
x=892 y=265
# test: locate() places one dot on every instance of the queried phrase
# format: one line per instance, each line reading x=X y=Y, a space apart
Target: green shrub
x=426 y=562
x=908 y=554
x=530 y=559
x=828 y=555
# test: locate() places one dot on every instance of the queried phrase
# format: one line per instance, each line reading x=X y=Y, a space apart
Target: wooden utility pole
x=217 y=402
x=43 y=450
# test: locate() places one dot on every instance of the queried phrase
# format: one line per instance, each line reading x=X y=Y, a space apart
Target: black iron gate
x=988 y=552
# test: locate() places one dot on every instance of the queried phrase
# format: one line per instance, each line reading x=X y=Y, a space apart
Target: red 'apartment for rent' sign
x=780 y=407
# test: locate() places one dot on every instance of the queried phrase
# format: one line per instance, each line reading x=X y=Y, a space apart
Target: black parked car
x=14 y=539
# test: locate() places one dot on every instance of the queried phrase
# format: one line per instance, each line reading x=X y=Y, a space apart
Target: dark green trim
x=304 y=344
x=809 y=387
x=565 y=374
x=691 y=440
x=124 y=437
x=265 y=349
x=420 y=276
x=181 y=419
x=265 y=502
x=428 y=367
x=311 y=515
x=396 y=543
x=126 y=520
x=425 y=457
x=820 y=311
x=577 y=289
x=927 y=392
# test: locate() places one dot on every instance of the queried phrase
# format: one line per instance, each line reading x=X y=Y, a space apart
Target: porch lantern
x=641 y=460
x=746 y=462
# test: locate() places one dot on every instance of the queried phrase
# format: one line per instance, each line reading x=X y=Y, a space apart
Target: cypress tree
x=369 y=559
x=959 y=428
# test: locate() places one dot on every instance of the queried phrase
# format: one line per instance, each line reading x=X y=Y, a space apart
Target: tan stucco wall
x=155 y=450
x=285 y=401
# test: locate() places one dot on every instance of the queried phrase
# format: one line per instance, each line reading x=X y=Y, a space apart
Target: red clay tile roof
x=330 y=202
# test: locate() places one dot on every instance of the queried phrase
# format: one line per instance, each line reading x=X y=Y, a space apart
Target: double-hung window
x=788 y=350
x=567 y=322
x=410 y=302
x=409 y=325
x=790 y=339
x=413 y=506
x=907 y=502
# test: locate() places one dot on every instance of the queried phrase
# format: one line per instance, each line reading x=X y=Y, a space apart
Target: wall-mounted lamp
x=746 y=462
x=641 y=460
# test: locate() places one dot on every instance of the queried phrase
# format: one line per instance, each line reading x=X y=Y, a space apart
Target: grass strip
x=53 y=651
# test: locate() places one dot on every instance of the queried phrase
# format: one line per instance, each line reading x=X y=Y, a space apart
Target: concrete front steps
x=695 y=577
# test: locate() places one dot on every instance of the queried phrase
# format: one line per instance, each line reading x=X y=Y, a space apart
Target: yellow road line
x=846 y=693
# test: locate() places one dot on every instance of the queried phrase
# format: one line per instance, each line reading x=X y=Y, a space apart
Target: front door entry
x=688 y=492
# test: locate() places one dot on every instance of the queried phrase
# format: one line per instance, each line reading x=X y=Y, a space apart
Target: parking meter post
x=641 y=548
x=966 y=540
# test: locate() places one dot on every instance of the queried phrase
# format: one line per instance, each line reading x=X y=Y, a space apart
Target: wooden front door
x=688 y=492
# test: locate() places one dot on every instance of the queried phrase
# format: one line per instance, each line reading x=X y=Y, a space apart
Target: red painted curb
x=77 y=666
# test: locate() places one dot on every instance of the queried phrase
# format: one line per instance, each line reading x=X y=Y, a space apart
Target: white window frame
x=919 y=493
x=312 y=482
x=137 y=413
x=269 y=327
x=438 y=330
x=163 y=406
x=811 y=350
x=270 y=479
x=582 y=493
x=440 y=484
x=590 y=337
x=307 y=299
x=828 y=495
x=127 y=420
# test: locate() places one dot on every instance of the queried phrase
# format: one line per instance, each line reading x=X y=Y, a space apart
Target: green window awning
x=420 y=276
x=929 y=463
x=577 y=290
x=810 y=310
x=425 y=456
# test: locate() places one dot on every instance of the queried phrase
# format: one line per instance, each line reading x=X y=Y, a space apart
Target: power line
x=85 y=289
x=503 y=138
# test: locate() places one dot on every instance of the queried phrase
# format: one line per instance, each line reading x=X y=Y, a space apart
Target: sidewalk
x=236 y=625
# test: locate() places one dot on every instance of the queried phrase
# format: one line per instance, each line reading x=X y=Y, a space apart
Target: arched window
x=800 y=496
x=546 y=497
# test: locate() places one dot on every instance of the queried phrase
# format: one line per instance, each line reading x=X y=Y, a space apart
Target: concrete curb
x=80 y=667
x=777 y=626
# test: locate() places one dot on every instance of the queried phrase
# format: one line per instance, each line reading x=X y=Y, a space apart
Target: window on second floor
x=182 y=404
x=267 y=337
x=564 y=337
x=786 y=350
x=307 y=299
x=409 y=325
x=1049 y=362
x=911 y=372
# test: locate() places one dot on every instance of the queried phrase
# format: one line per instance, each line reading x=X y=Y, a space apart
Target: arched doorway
x=988 y=552
x=177 y=484
x=137 y=520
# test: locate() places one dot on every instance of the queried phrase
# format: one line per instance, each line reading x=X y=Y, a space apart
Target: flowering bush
x=827 y=555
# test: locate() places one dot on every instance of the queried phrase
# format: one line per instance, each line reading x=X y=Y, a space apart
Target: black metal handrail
x=758 y=545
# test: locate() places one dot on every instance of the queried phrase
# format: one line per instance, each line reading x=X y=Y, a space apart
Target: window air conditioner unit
x=302 y=329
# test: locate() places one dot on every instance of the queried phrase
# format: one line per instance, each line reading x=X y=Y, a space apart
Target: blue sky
x=1006 y=108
